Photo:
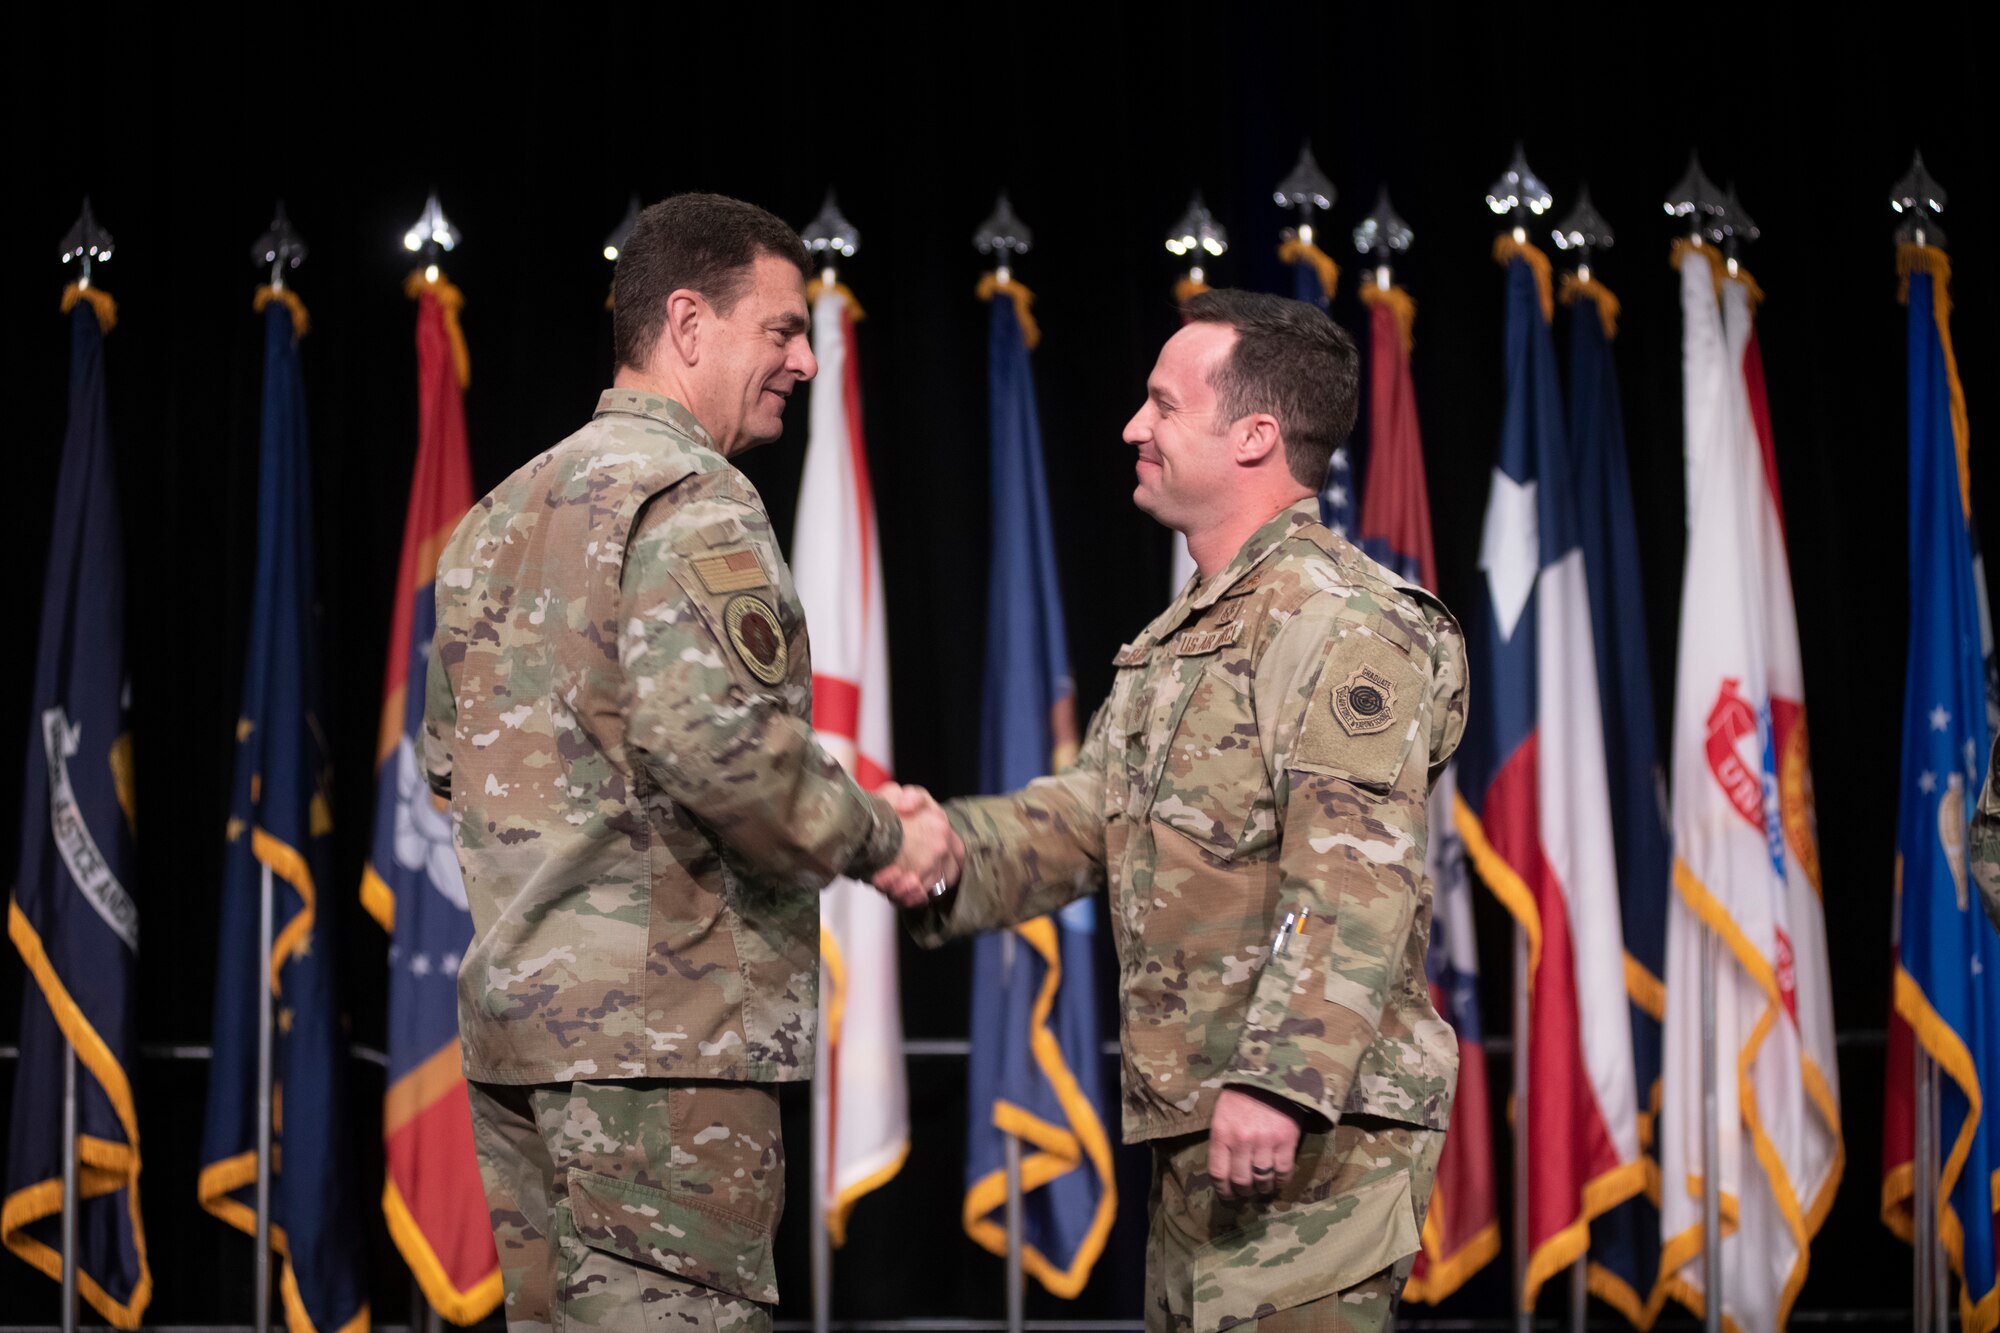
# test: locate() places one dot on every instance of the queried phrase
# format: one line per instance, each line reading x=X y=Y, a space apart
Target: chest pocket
x=1210 y=781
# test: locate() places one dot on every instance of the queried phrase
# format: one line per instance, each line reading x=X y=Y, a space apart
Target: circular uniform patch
x=1365 y=702
x=756 y=636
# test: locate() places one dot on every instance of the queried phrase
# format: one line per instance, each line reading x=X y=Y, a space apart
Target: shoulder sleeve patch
x=1365 y=713
x=730 y=571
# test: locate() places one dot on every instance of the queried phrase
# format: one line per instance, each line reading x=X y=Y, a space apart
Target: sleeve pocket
x=692 y=1240
x=1369 y=707
x=1328 y=1247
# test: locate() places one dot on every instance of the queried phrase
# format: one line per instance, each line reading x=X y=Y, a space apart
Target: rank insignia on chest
x=756 y=636
x=1365 y=702
x=1193 y=642
x=730 y=571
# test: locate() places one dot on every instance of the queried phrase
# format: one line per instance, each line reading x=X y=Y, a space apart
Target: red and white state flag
x=837 y=568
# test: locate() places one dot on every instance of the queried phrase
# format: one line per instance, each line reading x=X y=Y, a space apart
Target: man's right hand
x=932 y=853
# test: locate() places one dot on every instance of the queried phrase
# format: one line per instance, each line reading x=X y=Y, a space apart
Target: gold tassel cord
x=100 y=301
x=1935 y=262
x=301 y=321
x=1296 y=251
x=1749 y=284
x=450 y=300
x=1031 y=332
x=1576 y=289
x=1506 y=249
x=1686 y=246
x=1400 y=302
x=816 y=288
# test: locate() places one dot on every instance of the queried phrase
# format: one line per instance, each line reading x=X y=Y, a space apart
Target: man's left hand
x=1250 y=1146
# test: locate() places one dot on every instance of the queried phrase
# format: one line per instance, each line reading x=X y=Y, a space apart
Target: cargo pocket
x=1303 y=1254
x=694 y=1241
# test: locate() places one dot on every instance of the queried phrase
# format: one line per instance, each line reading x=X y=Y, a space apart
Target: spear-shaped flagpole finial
x=1306 y=188
x=1738 y=227
x=614 y=244
x=1582 y=231
x=431 y=235
x=830 y=236
x=1919 y=198
x=1381 y=234
x=280 y=246
x=1695 y=200
x=1197 y=236
x=1519 y=193
x=86 y=243
x=1003 y=235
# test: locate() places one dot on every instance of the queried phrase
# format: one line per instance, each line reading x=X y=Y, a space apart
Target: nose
x=802 y=362
x=1140 y=428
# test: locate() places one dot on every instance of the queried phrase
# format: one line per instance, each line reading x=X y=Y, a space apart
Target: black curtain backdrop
x=534 y=124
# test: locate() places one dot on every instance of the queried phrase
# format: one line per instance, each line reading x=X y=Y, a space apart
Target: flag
x=431 y=1196
x=1034 y=1070
x=1945 y=945
x=1746 y=862
x=1462 y=1228
x=837 y=566
x=279 y=818
x=1624 y=1242
x=1533 y=808
x=73 y=915
x=1314 y=275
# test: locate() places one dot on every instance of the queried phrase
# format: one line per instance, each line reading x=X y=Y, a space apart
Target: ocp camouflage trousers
x=1328 y=1253
x=635 y=1204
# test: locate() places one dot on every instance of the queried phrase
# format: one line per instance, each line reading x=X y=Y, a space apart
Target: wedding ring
x=939 y=889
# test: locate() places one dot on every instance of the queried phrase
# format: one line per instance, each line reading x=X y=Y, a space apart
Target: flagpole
x=265 y=913
x=822 y=1243
x=1524 y=1318
x=69 y=1190
x=1923 y=1199
x=1711 y=1146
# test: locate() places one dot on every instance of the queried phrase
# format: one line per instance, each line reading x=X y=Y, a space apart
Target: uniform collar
x=654 y=407
x=1266 y=539
x=1202 y=593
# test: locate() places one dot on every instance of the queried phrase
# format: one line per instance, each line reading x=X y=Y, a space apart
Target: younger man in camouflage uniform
x=618 y=708
x=1254 y=794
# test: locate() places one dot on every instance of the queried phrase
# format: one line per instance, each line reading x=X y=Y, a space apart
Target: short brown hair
x=1292 y=361
x=703 y=242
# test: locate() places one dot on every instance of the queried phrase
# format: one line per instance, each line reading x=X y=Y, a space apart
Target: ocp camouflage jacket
x=1266 y=751
x=617 y=708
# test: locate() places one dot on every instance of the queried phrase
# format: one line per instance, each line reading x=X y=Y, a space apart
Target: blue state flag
x=1624 y=1242
x=279 y=818
x=74 y=915
x=1034 y=1071
x=1949 y=955
x=1313 y=277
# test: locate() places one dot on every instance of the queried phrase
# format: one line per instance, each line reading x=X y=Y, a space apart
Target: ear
x=1256 y=439
x=686 y=313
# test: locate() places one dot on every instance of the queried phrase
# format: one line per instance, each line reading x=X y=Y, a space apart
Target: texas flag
x=1746 y=862
x=1533 y=808
x=859 y=1095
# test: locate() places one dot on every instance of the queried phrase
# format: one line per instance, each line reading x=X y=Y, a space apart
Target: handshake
x=932 y=856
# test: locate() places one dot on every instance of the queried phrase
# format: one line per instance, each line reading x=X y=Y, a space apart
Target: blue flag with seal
x=73 y=915
x=1034 y=1072
x=1314 y=276
x=1624 y=1242
x=1946 y=946
x=279 y=819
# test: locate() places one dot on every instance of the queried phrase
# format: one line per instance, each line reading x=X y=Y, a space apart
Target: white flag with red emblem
x=1746 y=864
x=837 y=568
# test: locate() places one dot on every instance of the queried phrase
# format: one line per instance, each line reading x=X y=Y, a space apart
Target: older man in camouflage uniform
x=618 y=708
x=1986 y=842
x=1254 y=794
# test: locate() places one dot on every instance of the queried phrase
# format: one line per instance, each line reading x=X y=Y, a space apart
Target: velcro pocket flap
x=687 y=1237
x=1366 y=712
x=1303 y=1254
